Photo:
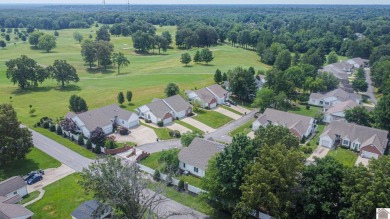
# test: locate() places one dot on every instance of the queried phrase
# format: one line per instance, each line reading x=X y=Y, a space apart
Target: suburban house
x=259 y=80
x=165 y=110
x=11 y=192
x=86 y=211
x=104 y=117
x=335 y=96
x=382 y=213
x=298 y=125
x=196 y=156
x=337 y=111
x=343 y=69
x=371 y=142
x=14 y=186
x=209 y=96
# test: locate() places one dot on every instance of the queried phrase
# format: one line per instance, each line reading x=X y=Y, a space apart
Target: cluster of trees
x=121 y=97
x=145 y=41
x=99 y=50
x=360 y=83
x=380 y=68
x=196 y=34
x=326 y=189
x=205 y=55
x=43 y=41
x=242 y=82
x=26 y=72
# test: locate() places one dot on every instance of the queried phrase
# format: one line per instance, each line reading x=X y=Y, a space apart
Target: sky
x=344 y=2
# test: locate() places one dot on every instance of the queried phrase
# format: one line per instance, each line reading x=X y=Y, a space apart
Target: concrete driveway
x=319 y=152
x=240 y=109
x=227 y=113
x=199 y=125
x=362 y=160
x=139 y=135
x=51 y=175
x=178 y=127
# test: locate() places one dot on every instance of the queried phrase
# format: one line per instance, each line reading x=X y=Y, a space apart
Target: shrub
x=123 y=131
x=80 y=140
x=148 y=120
x=89 y=144
x=171 y=133
x=177 y=134
x=160 y=124
x=59 y=130
x=46 y=125
x=307 y=107
x=71 y=138
x=207 y=107
x=97 y=149
x=303 y=140
x=110 y=144
x=53 y=128
x=307 y=150
x=180 y=186
x=39 y=124
x=156 y=175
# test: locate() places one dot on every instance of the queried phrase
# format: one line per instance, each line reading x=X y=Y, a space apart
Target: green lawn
x=230 y=109
x=192 y=180
x=162 y=133
x=29 y=197
x=245 y=128
x=301 y=110
x=152 y=160
x=211 y=118
x=61 y=199
x=35 y=159
x=193 y=128
x=344 y=156
x=67 y=143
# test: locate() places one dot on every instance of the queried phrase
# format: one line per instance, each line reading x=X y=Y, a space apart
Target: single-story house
x=298 y=125
x=14 y=186
x=337 y=111
x=209 y=96
x=259 y=80
x=10 y=210
x=196 y=156
x=104 y=117
x=370 y=142
x=343 y=69
x=219 y=93
x=86 y=211
x=335 y=96
x=165 y=110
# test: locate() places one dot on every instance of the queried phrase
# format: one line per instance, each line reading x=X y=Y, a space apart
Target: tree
x=197 y=57
x=241 y=83
x=56 y=34
x=206 y=55
x=47 y=42
x=167 y=36
x=170 y=161
x=359 y=85
x=78 y=36
x=274 y=134
x=121 y=60
x=359 y=115
x=224 y=176
x=77 y=104
x=330 y=81
x=132 y=199
x=265 y=98
x=363 y=189
x=7 y=37
x=321 y=187
x=162 y=43
x=296 y=75
x=2 y=44
x=33 y=39
x=224 y=77
x=88 y=51
x=129 y=96
x=380 y=74
x=382 y=113
x=332 y=57
x=186 y=138
x=277 y=182
x=63 y=72
x=171 y=89
x=15 y=141
x=104 y=51
x=98 y=137
x=103 y=33
x=185 y=58
x=68 y=125
x=121 y=98
x=218 y=76
x=196 y=105
x=283 y=60
x=25 y=72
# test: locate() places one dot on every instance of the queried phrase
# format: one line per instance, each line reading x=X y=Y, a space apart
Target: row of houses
x=344 y=68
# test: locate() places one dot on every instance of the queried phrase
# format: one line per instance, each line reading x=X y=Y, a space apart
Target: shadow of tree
x=31 y=90
x=18 y=168
x=69 y=87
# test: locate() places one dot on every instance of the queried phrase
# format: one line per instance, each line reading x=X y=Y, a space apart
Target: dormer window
x=345 y=142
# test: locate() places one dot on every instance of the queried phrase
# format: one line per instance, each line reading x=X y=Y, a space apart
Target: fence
x=75 y=137
x=117 y=150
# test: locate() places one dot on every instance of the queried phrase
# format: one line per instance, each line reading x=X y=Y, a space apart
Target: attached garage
x=367 y=154
x=168 y=118
x=212 y=105
x=326 y=141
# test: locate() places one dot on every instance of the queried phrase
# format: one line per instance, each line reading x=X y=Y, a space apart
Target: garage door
x=325 y=143
x=167 y=120
x=133 y=123
x=367 y=154
x=213 y=105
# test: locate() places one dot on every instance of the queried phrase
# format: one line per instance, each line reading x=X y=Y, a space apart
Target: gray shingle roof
x=218 y=90
x=340 y=94
x=8 y=211
x=177 y=103
x=342 y=106
x=11 y=184
x=86 y=209
x=159 y=108
x=199 y=152
x=205 y=95
x=365 y=135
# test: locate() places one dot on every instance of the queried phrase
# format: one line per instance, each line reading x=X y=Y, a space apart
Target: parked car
x=232 y=102
x=256 y=114
x=37 y=177
x=226 y=104
x=32 y=173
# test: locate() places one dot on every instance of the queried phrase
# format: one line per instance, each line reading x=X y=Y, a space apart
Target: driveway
x=197 y=124
x=240 y=109
x=140 y=135
x=362 y=160
x=159 y=146
x=319 y=152
x=227 y=113
x=51 y=175
x=370 y=89
x=178 y=127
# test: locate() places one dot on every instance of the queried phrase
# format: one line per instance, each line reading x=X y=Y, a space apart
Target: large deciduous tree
x=63 y=72
x=103 y=33
x=15 y=141
x=104 y=51
x=88 y=51
x=47 y=42
x=162 y=43
x=98 y=137
x=206 y=55
x=382 y=113
x=241 y=83
x=359 y=85
x=186 y=138
x=283 y=60
x=359 y=115
x=185 y=58
x=33 y=39
x=78 y=37
x=25 y=72
x=171 y=89
x=275 y=134
x=77 y=104
x=120 y=60
x=332 y=57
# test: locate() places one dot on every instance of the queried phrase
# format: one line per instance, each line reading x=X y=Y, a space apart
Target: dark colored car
x=29 y=175
x=232 y=102
x=37 y=177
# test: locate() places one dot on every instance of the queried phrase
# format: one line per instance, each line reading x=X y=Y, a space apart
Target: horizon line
x=300 y=4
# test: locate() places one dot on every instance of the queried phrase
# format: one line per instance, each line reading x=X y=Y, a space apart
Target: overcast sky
x=377 y=2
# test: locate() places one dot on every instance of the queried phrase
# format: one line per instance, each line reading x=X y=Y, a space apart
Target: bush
x=110 y=144
x=307 y=107
x=160 y=124
x=303 y=140
x=180 y=186
x=177 y=134
x=307 y=150
x=59 y=130
x=39 y=124
x=53 y=128
x=157 y=175
x=46 y=125
x=80 y=140
x=89 y=144
x=171 y=133
x=207 y=107
x=123 y=131
x=97 y=149
x=148 y=120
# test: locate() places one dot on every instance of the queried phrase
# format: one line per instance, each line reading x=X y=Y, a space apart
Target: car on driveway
x=232 y=102
x=226 y=104
x=37 y=177
x=32 y=173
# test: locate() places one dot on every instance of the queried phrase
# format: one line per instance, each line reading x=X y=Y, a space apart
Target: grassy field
x=36 y=159
x=301 y=110
x=60 y=199
x=193 y=128
x=344 y=156
x=152 y=160
x=192 y=180
x=211 y=118
x=230 y=109
x=245 y=128
x=29 y=197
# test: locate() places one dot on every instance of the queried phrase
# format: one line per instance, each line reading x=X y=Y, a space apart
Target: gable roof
x=365 y=135
x=199 y=152
x=205 y=95
x=217 y=90
x=11 y=184
x=159 y=108
x=8 y=211
x=101 y=117
x=85 y=210
x=177 y=103
x=290 y=120
x=340 y=94
x=342 y=106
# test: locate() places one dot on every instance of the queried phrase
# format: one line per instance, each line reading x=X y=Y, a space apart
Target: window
x=196 y=169
x=345 y=142
x=15 y=192
x=184 y=165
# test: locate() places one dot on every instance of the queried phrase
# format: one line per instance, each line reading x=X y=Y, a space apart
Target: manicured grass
x=29 y=197
x=344 y=156
x=230 y=109
x=245 y=128
x=211 y=118
x=67 y=143
x=60 y=199
x=192 y=180
x=301 y=110
x=152 y=160
x=193 y=128
x=35 y=160
x=126 y=143
x=162 y=133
